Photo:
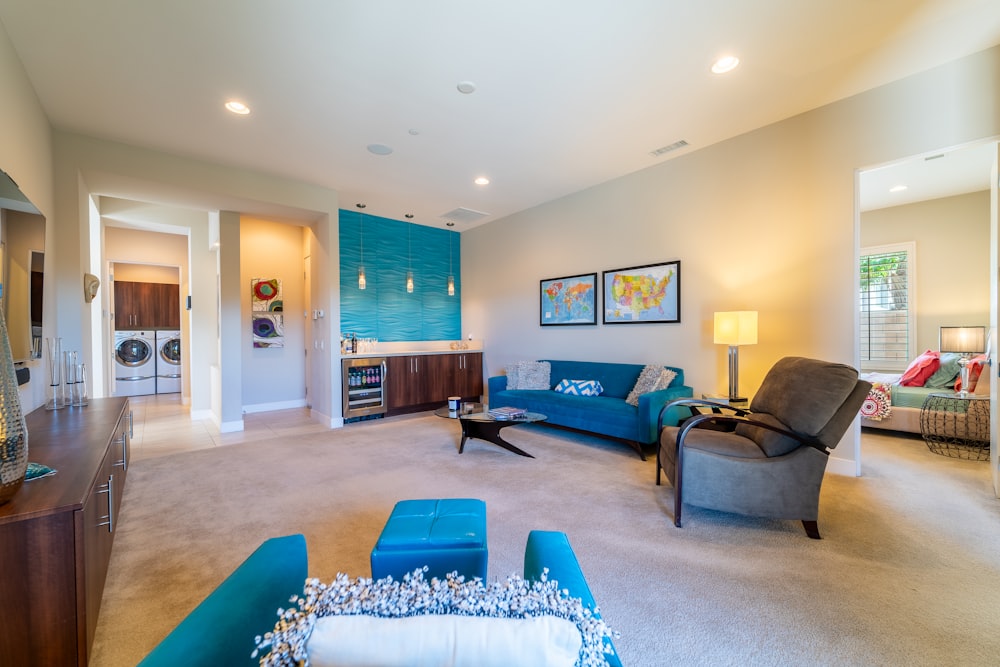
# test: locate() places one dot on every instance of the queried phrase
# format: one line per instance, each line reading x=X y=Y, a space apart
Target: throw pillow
x=944 y=376
x=651 y=378
x=920 y=369
x=580 y=387
x=529 y=375
x=389 y=599
x=430 y=640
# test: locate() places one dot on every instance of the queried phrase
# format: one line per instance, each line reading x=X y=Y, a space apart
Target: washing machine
x=168 y=362
x=135 y=363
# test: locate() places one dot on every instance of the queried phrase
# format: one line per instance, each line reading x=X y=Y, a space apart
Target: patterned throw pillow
x=652 y=378
x=529 y=375
x=580 y=387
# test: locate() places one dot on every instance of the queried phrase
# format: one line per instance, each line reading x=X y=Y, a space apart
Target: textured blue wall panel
x=385 y=310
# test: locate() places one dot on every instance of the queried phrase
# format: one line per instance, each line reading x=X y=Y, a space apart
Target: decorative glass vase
x=53 y=391
x=13 y=431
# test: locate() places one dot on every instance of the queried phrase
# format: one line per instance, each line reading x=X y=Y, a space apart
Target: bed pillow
x=579 y=387
x=529 y=375
x=920 y=369
x=652 y=378
x=945 y=375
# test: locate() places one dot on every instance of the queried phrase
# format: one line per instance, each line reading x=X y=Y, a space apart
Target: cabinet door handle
x=130 y=433
x=123 y=463
x=109 y=489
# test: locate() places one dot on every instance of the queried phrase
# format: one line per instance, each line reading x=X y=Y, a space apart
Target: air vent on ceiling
x=464 y=215
x=666 y=149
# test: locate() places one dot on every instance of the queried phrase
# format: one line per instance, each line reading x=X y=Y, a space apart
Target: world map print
x=642 y=294
x=569 y=300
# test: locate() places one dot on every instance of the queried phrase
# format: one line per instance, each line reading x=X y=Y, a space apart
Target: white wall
x=765 y=221
x=273 y=378
x=952 y=237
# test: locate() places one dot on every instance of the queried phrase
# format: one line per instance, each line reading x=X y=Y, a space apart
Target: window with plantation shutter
x=888 y=319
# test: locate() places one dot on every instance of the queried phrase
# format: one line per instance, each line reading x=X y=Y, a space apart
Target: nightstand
x=957 y=426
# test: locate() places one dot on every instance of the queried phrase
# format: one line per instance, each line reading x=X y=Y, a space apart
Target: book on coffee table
x=507 y=413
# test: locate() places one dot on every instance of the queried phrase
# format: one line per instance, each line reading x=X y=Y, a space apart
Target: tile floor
x=162 y=425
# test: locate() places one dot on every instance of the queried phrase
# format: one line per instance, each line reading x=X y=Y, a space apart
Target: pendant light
x=451 y=276
x=362 y=282
x=409 y=267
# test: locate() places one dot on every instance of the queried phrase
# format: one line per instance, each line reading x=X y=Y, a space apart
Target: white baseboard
x=278 y=405
x=840 y=466
x=231 y=427
x=198 y=415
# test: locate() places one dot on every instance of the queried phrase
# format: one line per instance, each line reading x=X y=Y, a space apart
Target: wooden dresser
x=56 y=533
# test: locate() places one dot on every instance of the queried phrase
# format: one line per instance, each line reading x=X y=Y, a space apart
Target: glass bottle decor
x=53 y=392
x=13 y=431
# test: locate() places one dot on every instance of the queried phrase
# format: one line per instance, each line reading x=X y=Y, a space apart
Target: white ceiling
x=568 y=94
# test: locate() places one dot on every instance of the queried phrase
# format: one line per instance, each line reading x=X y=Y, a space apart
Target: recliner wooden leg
x=812 y=529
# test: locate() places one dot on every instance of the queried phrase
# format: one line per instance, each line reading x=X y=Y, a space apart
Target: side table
x=957 y=426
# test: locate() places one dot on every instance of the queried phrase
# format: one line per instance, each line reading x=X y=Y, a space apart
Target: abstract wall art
x=266 y=307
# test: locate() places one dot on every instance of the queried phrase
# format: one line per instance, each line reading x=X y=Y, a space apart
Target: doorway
x=941 y=205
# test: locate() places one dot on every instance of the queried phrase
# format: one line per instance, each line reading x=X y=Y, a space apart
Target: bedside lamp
x=964 y=341
x=735 y=328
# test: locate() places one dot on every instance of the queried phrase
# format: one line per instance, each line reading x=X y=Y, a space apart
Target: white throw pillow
x=652 y=378
x=529 y=375
x=432 y=640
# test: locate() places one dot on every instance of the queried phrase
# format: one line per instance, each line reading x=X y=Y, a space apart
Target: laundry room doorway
x=146 y=317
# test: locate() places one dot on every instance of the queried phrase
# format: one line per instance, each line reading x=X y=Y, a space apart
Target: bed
x=895 y=406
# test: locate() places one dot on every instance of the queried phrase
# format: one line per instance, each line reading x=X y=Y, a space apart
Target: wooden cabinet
x=147 y=305
x=425 y=381
x=56 y=533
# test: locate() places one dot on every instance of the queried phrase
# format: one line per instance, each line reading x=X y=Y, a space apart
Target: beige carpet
x=908 y=572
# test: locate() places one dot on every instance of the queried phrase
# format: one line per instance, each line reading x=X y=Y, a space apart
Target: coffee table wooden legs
x=489 y=431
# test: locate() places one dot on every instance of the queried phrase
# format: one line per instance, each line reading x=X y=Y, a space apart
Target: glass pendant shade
x=362 y=283
x=409 y=282
x=451 y=285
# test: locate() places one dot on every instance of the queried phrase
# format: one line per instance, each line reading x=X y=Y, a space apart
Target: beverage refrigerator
x=363 y=392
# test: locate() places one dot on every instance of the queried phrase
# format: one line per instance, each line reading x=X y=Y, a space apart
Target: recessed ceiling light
x=482 y=180
x=466 y=87
x=725 y=64
x=238 y=107
x=897 y=188
x=379 y=149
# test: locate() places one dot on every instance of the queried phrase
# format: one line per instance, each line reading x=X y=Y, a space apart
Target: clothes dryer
x=168 y=362
x=135 y=363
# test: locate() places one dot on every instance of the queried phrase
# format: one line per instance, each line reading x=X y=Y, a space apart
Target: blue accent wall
x=385 y=310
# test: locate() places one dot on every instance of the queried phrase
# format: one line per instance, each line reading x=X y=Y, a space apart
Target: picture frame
x=658 y=287
x=568 y=301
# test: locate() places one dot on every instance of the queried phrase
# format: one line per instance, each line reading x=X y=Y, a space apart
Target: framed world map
x=569 y=300
x=650 y=293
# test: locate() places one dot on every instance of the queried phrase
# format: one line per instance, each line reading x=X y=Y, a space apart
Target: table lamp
x=735 y=328
x=964 y=341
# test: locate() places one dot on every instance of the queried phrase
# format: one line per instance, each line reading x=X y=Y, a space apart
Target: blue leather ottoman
x=445 y=535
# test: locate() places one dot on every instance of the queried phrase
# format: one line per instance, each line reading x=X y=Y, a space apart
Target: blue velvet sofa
x=606 y=415
x=222 y=629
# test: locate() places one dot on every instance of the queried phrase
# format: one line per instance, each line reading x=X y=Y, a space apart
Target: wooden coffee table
x=477 y=423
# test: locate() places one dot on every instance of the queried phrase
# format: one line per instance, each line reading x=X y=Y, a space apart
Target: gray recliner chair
x=767 y=461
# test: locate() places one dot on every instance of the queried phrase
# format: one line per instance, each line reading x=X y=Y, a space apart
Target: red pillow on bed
x=920 y=369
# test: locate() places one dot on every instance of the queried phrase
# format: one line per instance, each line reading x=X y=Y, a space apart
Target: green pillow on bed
x=946 y=374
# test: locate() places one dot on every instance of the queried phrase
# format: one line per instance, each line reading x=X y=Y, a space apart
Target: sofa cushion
x=529 y=375
x=579 y=387
x=651 y=378
x=617 y=379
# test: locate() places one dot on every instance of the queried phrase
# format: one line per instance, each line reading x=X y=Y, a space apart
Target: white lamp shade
x=737 y=327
